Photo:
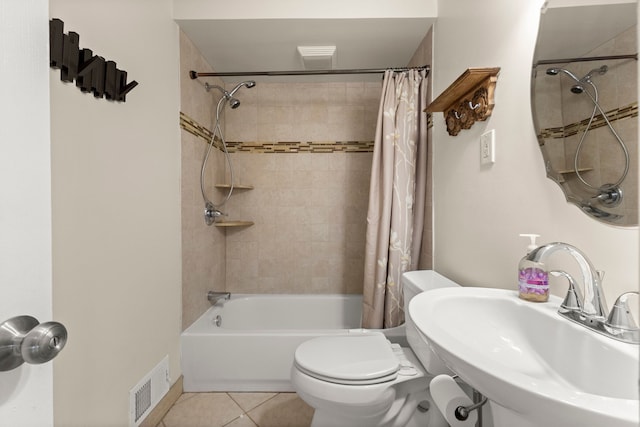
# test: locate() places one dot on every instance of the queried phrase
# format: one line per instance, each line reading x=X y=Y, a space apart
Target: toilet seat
x=349 y=360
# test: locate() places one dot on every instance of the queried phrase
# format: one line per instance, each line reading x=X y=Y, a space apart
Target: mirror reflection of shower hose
x=608 y=194
x=606 y=188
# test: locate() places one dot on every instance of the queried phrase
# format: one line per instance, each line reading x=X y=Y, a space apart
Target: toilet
x=365 y=380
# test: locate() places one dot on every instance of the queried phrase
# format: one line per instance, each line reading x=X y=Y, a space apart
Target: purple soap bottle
x=533 y=279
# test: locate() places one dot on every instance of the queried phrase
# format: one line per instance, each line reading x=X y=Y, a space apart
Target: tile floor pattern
x=238 y=410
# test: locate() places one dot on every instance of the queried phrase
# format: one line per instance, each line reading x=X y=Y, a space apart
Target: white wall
x=479 y=211
x=25 y=200
x=116 y=212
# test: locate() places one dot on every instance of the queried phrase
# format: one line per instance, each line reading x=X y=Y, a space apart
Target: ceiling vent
x=318 y=57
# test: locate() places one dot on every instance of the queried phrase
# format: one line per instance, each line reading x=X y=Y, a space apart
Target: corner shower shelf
x=562 y=173
x=574 y=171
x=235 y=186
x=233 y=223
x=468 y=99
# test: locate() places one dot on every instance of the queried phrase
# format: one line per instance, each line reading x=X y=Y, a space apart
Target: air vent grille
x=148 y=392
x=142 y=400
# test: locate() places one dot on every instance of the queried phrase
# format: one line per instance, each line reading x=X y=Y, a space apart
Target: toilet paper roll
x=447 y=395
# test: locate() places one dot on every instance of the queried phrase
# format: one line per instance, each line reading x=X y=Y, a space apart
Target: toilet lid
x=361 y=359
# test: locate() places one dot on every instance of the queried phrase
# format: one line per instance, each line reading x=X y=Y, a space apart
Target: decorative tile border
x=301 y=147
x=628 y=111
x=194 y=128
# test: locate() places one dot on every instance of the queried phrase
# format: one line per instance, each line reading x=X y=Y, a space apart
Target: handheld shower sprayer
x=578 y=87
x=228 y=96
x=608 y=194
x=212 y=212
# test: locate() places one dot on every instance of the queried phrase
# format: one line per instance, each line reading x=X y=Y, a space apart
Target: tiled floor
x=238 y=410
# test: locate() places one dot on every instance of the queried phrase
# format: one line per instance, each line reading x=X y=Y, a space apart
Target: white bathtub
x=252 y=349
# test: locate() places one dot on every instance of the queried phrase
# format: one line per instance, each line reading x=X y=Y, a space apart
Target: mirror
x=585 y=106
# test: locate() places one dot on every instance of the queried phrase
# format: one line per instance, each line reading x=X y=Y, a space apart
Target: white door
x=26 y=393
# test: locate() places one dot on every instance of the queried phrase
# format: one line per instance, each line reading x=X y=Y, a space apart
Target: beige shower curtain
x=397 y=194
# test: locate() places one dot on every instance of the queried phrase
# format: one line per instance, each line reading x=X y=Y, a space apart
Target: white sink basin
x=527 y=358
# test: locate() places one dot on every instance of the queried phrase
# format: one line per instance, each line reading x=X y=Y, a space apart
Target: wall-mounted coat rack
x=467 y=100
x=92 y=73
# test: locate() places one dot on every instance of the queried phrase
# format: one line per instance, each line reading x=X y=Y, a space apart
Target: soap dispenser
x=533 y=279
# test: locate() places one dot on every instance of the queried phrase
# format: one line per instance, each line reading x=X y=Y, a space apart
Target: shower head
x=249 y=84
x=556 y=71
x=577 y=89
x=233 y=102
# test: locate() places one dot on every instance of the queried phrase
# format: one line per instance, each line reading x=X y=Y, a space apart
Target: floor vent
x=143 y=400
x=148 y=392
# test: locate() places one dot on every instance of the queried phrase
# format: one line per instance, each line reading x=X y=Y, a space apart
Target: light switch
x=487 y=147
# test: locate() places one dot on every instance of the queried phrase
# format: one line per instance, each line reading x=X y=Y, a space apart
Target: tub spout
x=214 y=297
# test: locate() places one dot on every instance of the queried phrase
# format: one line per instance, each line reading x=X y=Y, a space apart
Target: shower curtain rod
x=195 y=74
x=587 y=59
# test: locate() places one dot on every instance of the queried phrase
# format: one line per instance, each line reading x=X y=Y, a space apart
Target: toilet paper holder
x=25 y=339
x=462 y=412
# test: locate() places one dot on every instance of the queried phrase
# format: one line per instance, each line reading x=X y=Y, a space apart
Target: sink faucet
x=592 y=312
x=594 y=303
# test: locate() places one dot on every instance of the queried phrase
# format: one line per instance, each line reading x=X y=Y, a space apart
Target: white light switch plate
x=488 y=147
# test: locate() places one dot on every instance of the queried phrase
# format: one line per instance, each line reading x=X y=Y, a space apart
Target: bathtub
x=252 y=348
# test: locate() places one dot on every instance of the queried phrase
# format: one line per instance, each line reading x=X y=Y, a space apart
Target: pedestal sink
x=536 y=367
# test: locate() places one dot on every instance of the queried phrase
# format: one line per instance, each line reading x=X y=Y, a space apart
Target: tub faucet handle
x=212 y=214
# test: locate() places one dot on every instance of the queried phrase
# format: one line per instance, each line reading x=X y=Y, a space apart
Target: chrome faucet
x=214 y=297
x=594 y=304
x=592 y=312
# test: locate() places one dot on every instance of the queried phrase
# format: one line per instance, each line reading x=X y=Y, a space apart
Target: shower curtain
x=397 y=194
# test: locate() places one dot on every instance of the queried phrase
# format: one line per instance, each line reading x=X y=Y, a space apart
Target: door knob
x=24 y=339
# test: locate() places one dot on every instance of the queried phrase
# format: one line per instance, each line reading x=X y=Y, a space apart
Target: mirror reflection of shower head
x=556 y=71
x=578 y=87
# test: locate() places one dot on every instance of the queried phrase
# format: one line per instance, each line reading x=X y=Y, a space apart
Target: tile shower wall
x=309 y=204
x=203 y=247
x=309 y=208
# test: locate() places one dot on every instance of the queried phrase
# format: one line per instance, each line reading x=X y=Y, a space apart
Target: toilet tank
x=413 y=283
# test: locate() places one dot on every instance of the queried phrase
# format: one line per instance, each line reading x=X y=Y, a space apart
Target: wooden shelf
x=235 y=186
x=233 y=223
x=468 y=99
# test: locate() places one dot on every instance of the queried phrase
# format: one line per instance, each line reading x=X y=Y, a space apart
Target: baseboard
x=158 y=413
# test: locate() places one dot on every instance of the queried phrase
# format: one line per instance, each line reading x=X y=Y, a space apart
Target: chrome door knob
x=43 y=342
x=24 y=339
